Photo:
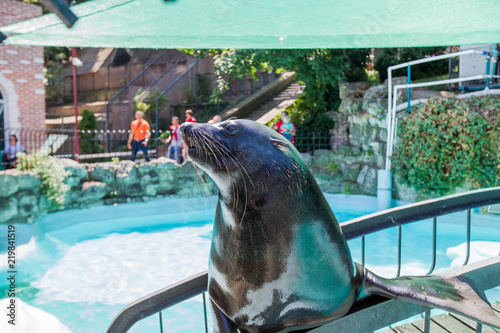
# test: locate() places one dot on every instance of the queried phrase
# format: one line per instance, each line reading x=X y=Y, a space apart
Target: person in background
x=175 y=141
x=215 y=119
x=13 y=147
x=139 y=136
x=285 y=127
x=189 y=116
x=189 y=119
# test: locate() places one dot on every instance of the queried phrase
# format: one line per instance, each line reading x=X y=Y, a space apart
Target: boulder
x=167 y=171
x=9 y=182
x=8 y=209
x=367 y=179
x=150 y=181
x=351 y=172
x=127 y=179
x=31 y=181
x=349 y=90
x=28 y=205
x=102 y=172
x=92 y=192
x=78 y=172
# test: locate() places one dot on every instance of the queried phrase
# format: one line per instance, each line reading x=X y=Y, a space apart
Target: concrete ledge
x=249 y=104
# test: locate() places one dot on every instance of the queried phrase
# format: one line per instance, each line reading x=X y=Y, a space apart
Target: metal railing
x=374 y=312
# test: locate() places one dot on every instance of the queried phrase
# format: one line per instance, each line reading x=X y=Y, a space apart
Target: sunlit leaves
x=447 y=143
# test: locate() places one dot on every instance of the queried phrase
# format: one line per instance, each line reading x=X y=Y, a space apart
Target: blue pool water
x=84 y=266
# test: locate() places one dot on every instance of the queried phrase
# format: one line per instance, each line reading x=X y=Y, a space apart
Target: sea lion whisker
x=202 y=188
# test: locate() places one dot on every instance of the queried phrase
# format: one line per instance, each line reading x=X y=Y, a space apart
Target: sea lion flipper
x=450 y=293
x=221 y=323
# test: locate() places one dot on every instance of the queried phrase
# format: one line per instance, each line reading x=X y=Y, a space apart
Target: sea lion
x=278 y=258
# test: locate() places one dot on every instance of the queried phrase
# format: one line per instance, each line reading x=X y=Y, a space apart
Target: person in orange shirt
x=139 y=136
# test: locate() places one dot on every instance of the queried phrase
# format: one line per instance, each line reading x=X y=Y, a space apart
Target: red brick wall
x=21 y=72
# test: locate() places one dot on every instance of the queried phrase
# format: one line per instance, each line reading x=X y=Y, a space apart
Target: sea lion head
x=243 y=152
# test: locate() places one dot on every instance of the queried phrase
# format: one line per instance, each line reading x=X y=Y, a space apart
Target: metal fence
x=103 y=145
x=308 y=141
x=94 y=145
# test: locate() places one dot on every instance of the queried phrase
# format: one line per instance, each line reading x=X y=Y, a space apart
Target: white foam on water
x=121 y=268
x=479 y=250
x=29 y=319
x=22 y=252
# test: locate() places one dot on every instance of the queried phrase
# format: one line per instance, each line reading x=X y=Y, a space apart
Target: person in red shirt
x=139 y=136
x=189 y=119
x=175 y=140
x=189 y=116
x=285 y=127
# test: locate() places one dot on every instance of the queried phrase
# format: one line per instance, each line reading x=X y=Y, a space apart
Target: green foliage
x=52 y=173
x=145 y=101
x=204 y=89
x=448 y=143
x=55 y=58
x=320 y=70
x=390 y=57
x=308 y=118
x=208 y=112
x=88 y=136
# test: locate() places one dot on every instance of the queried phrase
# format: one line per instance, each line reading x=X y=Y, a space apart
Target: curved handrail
x=159 y=300
x=354 y=228
x=419 y=211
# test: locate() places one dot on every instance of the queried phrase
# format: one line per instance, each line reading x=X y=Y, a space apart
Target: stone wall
x=21 y=200
x=359 y=141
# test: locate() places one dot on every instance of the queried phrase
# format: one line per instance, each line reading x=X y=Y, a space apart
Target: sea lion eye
x=232 y=129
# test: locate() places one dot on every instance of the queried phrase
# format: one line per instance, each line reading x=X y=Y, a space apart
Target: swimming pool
x=84 y=266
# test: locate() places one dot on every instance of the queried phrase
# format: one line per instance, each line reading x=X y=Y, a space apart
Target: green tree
x=391 y=57
x=320 y=70
x=88 y=135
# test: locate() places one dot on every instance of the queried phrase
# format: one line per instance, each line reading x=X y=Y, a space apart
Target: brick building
x=22 y=93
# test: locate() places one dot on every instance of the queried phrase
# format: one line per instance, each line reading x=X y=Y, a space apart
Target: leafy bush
x=390 y=57
x=53 y=175
x=88 y=142
x=447 y=143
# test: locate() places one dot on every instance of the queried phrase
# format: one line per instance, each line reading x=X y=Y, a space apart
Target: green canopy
x=266 y=24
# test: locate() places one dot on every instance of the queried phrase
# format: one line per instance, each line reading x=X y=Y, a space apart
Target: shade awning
x=264 y=24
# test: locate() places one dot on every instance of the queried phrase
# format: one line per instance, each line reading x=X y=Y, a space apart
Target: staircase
x=267 y=111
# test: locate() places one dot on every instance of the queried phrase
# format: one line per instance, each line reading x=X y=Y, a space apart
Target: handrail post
x=156 y=129
x=408 y=91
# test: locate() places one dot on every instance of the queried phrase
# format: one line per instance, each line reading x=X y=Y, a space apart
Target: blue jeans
x=136 y=146
x=176 y=151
